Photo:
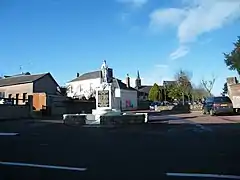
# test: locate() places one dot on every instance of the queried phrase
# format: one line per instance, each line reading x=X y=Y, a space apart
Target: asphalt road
x=188 y=143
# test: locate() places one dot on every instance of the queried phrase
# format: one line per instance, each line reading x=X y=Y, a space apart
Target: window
x=80 y=88
x=17 y=97
x=24 y=97
x=2 y=94
x=70 y=89
x=91 y=88
x=222 y=100
x=209 y=100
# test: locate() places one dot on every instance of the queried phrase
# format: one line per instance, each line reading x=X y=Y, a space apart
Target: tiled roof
x=167 y=83
x=89 y=75
x=122 y=85
x=20 y=79
x=97 y=74
x=145 y=89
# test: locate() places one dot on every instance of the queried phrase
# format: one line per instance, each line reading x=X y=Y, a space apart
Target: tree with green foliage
x=225 y=89
x=232 y=59
x=174 y=92
x=183 y=84
x=154 y=93
x=199 y=93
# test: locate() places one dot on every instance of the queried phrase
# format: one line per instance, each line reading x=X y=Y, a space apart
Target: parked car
x=153 y=104
x=217 y=105
x=165 y=103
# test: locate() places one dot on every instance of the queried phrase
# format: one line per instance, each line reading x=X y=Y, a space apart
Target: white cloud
x=206 y=16
x=134 y=3
x=180 y=52
x=162 y=17
x=196 y=18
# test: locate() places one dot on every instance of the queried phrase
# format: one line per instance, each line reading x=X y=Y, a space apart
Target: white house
x=86 y=84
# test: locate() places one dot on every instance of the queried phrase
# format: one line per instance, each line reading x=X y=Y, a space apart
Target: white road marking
x=203 y=175
x=42 y=166
x=8 y=134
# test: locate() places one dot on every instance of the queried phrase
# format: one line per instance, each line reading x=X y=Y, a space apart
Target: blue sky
x=155 y=37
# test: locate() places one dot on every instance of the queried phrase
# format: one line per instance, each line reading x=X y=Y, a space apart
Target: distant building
x=169 y=83
x=21 y=85
x=143 y=90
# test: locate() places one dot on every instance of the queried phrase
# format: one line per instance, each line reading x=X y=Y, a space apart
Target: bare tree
x=208 y=84
x=198 y=92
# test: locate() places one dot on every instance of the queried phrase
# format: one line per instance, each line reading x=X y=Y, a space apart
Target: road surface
x=184 y=143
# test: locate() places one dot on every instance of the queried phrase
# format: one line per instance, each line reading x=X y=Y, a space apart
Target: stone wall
x=234 y=91
x=74 y=119
x=174 y=109
x=57 y=105
x=143 y=105
x=8 y=112
x=164 y=108
x=196 y=107
x=123 y=119
x=78 y=106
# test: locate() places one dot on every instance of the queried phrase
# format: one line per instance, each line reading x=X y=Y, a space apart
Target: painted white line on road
x=203 y=175
x=8 y=134
x=42 y=166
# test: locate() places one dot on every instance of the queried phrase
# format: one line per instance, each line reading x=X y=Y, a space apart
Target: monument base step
x=92 y=122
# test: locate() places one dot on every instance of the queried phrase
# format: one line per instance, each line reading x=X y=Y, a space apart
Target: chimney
x=77 y=74
x=128 y=81
x=231 y=80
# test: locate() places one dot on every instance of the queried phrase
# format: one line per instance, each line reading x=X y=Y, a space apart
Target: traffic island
x=127 y=119
x=74 y=119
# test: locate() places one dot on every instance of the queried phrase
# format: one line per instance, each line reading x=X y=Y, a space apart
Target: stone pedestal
x=106 y=102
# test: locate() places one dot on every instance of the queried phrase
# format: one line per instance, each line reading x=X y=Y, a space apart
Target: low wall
x=57 y=105
x=123 y=119
x=14 y=112
x=78 y=106
x=73 y=119
x=164 y=108
x=143 y=105
x=197 y=107
x=174 y=109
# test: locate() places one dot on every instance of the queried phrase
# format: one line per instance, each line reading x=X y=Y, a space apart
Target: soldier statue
x=104 y=71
